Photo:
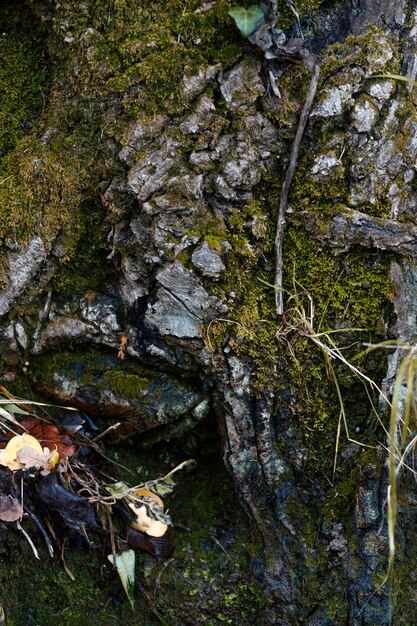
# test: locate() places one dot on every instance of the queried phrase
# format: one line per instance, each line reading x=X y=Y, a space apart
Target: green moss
x=307 y=10
x=353 y=288
x=41 y=193
x=24 y=79
x=52 y=152
x=45 y=191
x=143 y=51
x=125 y=377
x=129 y=385
x=358 y=52
x=85 y=267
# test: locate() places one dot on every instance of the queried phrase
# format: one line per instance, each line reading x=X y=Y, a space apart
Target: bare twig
x=274 y=85
x=283 y=202
x=29 y=540
x=64 y=563
x=219 y=545
x=41 y=529
x=105 y=432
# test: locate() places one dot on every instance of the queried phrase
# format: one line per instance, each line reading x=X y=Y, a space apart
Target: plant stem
x=283 y=202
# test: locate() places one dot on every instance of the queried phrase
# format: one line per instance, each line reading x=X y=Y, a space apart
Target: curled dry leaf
x=10 y=509
x=43 y=461
x=147 y=493
x=144 y=522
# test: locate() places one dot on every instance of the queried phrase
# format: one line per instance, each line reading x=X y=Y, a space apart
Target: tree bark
x=139 y=206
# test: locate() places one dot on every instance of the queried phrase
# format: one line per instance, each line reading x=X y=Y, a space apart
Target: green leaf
x=246 y=18
x=16 y=410
x=125 y=565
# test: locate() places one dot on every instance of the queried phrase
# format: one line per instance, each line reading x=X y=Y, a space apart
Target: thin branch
x=64 y=563
x=29 y=540
x=41 y=529
x=283 y=202
x=106 y=432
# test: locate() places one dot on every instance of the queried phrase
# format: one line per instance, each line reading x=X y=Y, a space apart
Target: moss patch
x=142 y=51
x=129 y=385
x=24 y=76
x=52 y=166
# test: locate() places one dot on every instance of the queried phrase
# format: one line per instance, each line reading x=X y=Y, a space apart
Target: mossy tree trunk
x=143 y=151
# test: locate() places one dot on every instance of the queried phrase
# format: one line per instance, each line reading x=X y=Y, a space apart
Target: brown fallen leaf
x=10 y=509
x=50 y=436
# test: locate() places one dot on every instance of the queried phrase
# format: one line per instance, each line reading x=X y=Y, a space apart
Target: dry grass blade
x=401 y=408
x=10 y=419
x=397 y=77
x=33 y=403
x=29 y=540
x=300 y=319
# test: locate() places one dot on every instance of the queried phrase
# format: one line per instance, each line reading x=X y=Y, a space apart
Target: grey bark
x=156 y=211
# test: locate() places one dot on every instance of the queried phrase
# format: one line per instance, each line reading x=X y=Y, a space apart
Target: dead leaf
x=10 y=509
x=9 y=456
x=30 y=458
x=146 y=524
x=146 y=493
x=50 y=436
x=122 y=346
x=149 y=510
x=74 y=510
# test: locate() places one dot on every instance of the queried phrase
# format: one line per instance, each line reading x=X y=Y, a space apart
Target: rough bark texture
x=140 y=181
